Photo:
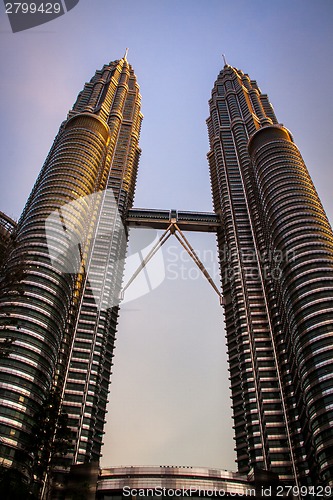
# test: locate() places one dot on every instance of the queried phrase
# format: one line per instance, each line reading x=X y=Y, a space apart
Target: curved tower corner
x=61 y=321
x=295 y=225
x=276 y=259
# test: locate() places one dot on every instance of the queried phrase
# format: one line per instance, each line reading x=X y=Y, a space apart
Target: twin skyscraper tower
x=62 y=275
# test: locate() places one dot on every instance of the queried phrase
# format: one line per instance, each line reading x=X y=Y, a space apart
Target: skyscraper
x=62 y=277
x=276 y=256
x=61 y=316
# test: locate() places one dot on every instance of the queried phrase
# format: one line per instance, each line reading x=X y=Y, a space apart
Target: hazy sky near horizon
x=169 y=401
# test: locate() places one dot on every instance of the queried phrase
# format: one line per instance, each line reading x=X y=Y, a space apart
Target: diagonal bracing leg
x=167 y=233
x=190 y=250
x=173 y=229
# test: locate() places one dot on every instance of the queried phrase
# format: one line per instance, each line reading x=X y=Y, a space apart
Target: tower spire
x=125 y=55
x=225 y=61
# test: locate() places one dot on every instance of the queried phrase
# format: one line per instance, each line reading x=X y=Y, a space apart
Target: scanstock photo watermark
x=25 y=15
x=186 y=492
x=88 y=237
x=248 y=264
x=267 y=491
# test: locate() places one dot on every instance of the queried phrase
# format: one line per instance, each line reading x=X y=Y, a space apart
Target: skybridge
x=161 y=219
x=173 y=222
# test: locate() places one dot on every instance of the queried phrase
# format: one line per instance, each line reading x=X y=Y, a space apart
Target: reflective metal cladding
x=61 y=274
x=70 y=244
x=276 y=248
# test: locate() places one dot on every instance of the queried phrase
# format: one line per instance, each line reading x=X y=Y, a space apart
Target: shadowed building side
x=276 y=258
x=263 y=439
x=294 y=224
x=58 y=318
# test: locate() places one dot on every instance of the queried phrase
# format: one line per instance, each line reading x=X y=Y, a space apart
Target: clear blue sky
x=169 y=397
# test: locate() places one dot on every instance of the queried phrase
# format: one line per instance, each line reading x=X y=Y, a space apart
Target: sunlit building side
x=61 y=320
x=61 y=278
x=113 y=95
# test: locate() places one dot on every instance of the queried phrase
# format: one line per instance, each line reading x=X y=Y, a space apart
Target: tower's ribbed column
x=113 y=95
x=34 y=315
x=264 y=435
x=61 y=317
x=295 y=225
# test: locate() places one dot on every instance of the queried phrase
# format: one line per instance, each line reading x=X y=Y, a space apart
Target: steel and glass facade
x=63 y=324
x=276 y=256
x=113 y=95
x=59 y=317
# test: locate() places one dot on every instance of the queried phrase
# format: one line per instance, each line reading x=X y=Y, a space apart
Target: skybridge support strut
x=173 y=229
x=190 y=250
x=165 y=236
